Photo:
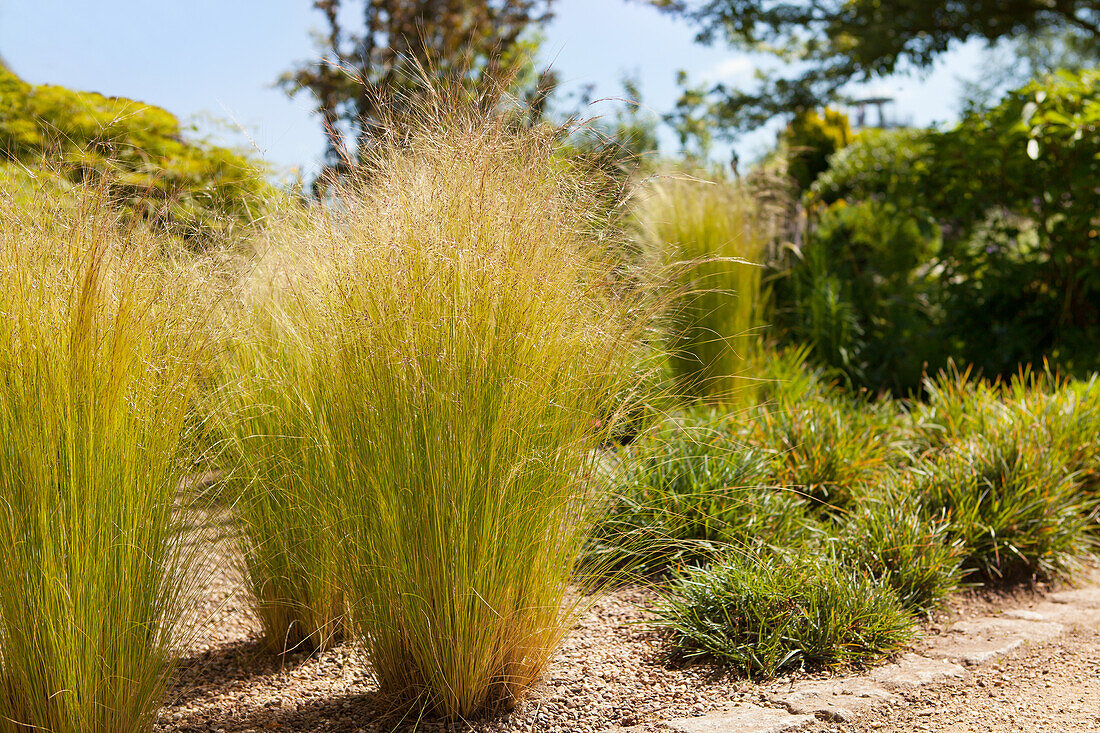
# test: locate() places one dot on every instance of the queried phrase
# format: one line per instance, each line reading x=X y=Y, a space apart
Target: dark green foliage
x=763 y=614
x=688 y=492
x=191 y=189
x=979 y=244
x=1011 y=500
x=859 y=290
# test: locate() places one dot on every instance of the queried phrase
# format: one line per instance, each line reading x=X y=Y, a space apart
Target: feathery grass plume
x=709 y=242
x=455 y=344
x=95 y=382
x=763 y=613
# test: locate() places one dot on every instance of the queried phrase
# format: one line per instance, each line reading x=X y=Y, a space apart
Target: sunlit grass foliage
x=706 y=238
x=761 y=614
x=96 y=347
x=451 y=349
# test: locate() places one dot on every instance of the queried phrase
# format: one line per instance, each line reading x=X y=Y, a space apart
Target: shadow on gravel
x=335 y=714
x=201 y=674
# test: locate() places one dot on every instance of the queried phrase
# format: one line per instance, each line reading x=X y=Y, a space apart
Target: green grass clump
x=708 y=240
x=1013 y=503
x=894 y=539
x=96 y=358
x=461 y=350
x=761 y=614
x=685 y=494
x=278 y=474
x=824 y=447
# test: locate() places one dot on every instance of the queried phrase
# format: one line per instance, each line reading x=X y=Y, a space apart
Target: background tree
x=376 y=52
x=835 y=42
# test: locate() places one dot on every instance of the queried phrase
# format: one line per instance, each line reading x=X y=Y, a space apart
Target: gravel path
x=610 y=675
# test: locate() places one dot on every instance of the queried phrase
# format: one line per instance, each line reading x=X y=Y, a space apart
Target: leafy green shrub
x=189 y=188
x=763 y=614
x=857 y=293
x=96 y=349
x=707 y=238
x=687 y=493
x=1012 y=501
x=466 y=340
x=895 y=540
x=811 y=139
x=1010 y=195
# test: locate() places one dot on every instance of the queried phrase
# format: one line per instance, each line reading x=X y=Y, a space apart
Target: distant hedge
x=191 y=189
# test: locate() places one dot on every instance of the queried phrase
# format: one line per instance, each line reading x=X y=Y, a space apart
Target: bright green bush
x=96 y=349
x=811 y=139
x=191 y=189
x=707 y=240
x=764 y=614
x=1008 y=199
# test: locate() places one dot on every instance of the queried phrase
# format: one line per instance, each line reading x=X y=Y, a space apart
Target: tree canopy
x=834 y=42
x=375 y=53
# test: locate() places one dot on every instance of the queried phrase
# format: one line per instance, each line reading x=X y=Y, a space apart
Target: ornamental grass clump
x=707 y=240
x=761 y=614
x=685 y=493
x=1013 y=504
x=278 y=465
x=461 y=337
x=95 y=383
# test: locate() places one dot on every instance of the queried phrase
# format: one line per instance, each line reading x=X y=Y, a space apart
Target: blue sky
x=211 y=60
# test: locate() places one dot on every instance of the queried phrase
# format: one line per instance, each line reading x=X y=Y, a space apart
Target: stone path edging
x=942 y=658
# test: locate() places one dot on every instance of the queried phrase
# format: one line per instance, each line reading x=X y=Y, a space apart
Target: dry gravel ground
x=1050 y=688
x=610 y=675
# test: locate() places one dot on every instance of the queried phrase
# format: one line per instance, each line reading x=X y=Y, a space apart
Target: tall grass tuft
x=95 y=384
x=278 y=464
x=461 y=344
x=708 y=239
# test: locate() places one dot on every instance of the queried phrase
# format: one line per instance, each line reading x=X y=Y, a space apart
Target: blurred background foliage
x=192 y=189
x=979 y=243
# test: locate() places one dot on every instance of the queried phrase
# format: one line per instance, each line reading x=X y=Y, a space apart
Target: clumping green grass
x=828 y=449
x=461 y=353
x=96 y=367
x=278 y=475
x=762 y=614
x=268 y=411
x=689 y=491
x=708 y=241
x=891 y=536
x=1012 y=502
